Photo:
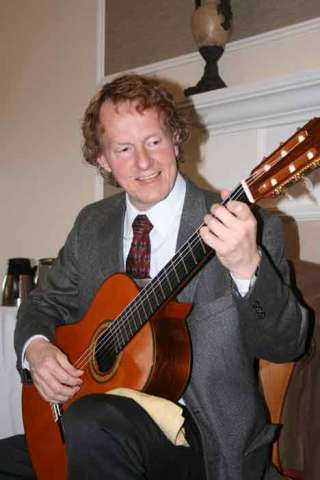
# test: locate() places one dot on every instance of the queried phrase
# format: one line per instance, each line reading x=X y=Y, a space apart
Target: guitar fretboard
x=166 y=284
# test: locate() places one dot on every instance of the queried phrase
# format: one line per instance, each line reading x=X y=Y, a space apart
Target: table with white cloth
x=10 y=385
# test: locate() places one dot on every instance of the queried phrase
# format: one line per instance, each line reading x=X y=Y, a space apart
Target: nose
x=143 y=158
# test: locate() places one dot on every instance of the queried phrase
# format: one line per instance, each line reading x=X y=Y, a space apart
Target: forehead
x=128 y=115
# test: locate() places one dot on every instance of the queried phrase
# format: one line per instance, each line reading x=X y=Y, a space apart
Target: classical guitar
x=138 y=338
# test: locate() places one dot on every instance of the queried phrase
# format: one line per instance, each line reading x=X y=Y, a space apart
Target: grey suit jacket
x=228 y=333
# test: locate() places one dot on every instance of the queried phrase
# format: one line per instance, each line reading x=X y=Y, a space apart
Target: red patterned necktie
x=138 y=260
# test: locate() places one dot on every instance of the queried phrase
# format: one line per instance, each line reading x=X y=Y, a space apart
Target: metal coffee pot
x=44 y=267
x=18 y=282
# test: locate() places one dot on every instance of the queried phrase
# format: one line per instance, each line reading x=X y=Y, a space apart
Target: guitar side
x=156 y=361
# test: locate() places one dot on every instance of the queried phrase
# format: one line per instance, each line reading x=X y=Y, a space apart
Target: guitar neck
x=190 y=257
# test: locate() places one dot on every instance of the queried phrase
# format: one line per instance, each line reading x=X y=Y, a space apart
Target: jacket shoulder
x=102 y=208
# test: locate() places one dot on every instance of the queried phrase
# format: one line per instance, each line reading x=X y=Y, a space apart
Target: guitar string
x=132 y=307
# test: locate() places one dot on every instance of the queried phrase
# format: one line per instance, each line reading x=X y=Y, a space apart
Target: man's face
x=139 y=151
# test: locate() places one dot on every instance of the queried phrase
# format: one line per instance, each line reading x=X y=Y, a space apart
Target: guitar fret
x=144 y=310
x=172 y=282
x=200 y=248
x=176 y=273
x=180 y=271
x=204 y=249
x=151 y=307
x=167 y=286
x=130 y=327
x=139 y=312
x=168 y=280
x=163 y=294
x=183 y=263
x=191 y=251
x=154 y=295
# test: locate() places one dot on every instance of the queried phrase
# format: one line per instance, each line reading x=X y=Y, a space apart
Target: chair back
x=275 y=378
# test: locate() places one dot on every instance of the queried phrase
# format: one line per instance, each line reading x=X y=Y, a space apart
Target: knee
x=95 y=412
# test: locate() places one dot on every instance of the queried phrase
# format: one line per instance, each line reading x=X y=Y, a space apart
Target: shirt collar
x=161 y=215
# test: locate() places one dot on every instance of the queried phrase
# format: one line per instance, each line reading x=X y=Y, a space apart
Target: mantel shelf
x=274 y=101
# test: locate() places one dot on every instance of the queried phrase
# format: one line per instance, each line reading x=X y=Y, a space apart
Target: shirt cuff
x=24 y=362
x=243 y=284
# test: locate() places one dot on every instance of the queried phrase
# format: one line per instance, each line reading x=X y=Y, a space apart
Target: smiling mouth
x=148 y=178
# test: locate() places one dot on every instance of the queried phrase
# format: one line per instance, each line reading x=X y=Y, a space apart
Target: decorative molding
x=278 y=101
x=288 y=100
x=100 y=39
x=100 y=61
x=243 y=44
x=300 y=213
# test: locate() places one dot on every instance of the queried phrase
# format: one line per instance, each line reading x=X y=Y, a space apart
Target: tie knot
x=141 y=224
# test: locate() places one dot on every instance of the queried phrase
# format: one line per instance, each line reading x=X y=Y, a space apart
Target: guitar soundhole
x=104 y=361
x=105 y=356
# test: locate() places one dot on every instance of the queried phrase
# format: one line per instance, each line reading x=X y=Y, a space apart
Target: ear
x=176 y=150
x=103 y=162
x=176 y=146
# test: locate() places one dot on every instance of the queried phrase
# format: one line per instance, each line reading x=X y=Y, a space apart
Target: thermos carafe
x=18 y=282
x=44 y=267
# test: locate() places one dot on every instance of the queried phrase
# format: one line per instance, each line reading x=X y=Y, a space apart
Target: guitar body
x=156 y=361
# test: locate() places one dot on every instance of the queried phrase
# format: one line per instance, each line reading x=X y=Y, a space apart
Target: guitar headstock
x=288 y=164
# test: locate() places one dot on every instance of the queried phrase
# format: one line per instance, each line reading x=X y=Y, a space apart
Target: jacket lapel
x=193 y=212
x=111 y=234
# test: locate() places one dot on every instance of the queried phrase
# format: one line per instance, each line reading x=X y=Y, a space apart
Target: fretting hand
x=231 y=231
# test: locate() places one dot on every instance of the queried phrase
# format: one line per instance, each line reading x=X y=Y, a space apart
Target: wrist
x=35 y=343
x=250 y=270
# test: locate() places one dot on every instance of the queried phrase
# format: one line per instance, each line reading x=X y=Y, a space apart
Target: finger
x=52 y=390
x=222 y=214
x=63 y=377
x=215 y=227
x=240 y=210
x=61 y=393
x=69 y=368
x=225 y=194
x=211 y=239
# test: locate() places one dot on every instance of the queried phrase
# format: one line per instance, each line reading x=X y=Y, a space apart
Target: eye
x=153 y=142
x=122 y=149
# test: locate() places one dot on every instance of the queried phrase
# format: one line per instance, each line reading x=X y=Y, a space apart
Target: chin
x=149 y=201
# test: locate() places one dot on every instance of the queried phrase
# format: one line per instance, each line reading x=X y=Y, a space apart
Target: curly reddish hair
x=148 y=93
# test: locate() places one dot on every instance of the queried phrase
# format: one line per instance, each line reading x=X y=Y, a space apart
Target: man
x=243 y=306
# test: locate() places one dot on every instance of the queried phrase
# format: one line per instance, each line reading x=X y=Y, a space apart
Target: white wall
x=48 y=74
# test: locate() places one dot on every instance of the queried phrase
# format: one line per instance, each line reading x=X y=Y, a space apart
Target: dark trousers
x=113 y=437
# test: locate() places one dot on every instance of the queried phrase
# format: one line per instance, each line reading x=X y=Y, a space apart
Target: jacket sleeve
x=275 y=326
x=56 y=302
